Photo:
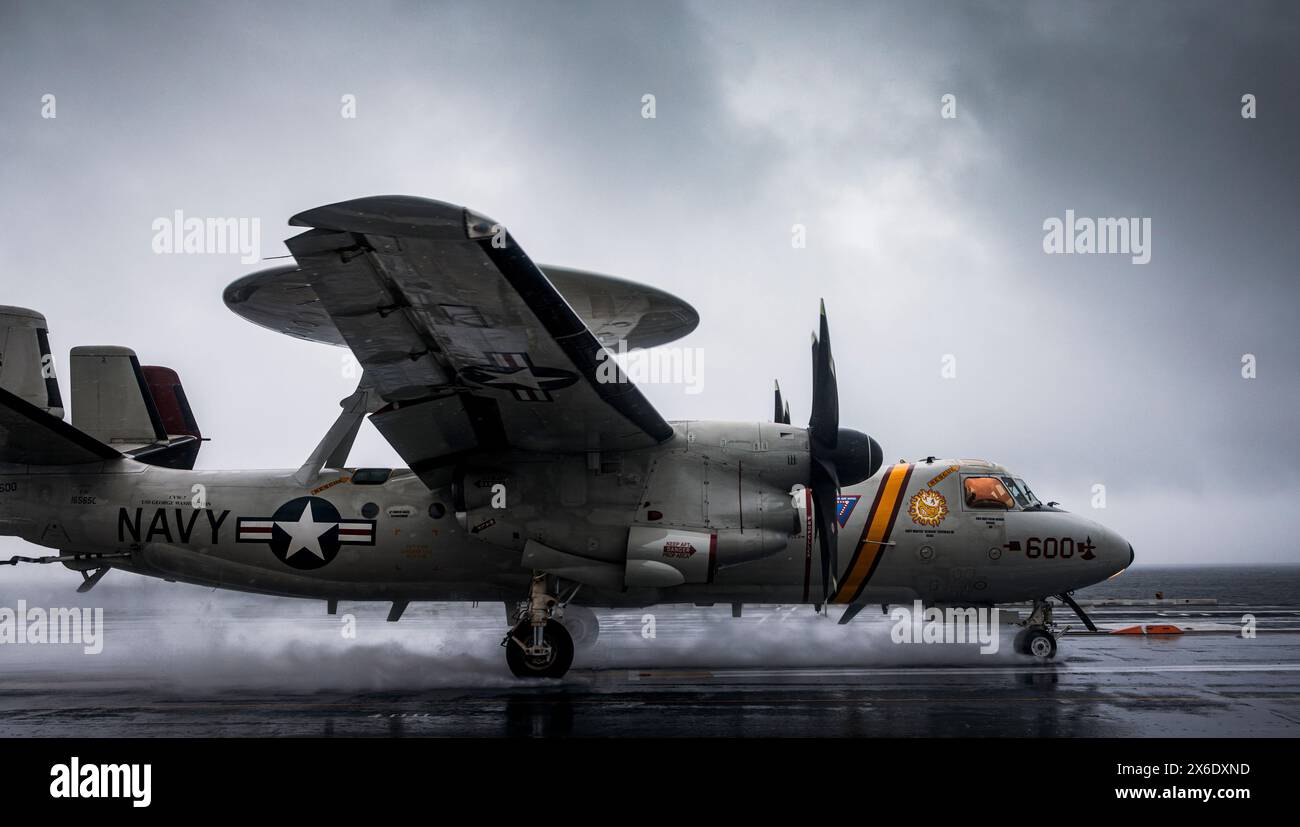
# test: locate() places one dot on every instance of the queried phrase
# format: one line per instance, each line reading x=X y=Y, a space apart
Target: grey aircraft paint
x=532 y=475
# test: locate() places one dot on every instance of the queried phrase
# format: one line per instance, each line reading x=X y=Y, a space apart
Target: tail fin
x=32 y=430
x=184 y=439
x=111 y=399
x=140 y=410
x=173 y=406
x=26 y=365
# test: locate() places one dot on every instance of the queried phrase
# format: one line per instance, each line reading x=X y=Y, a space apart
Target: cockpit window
x=987 y=492
x=1022 y=492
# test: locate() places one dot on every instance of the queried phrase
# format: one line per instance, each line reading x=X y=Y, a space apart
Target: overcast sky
x=924 y=234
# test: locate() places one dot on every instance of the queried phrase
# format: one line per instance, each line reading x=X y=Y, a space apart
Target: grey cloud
x=924 y=235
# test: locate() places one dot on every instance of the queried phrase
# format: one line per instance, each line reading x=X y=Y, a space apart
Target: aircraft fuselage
x=718 y=510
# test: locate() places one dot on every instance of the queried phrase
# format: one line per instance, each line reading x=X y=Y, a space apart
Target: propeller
x=837 y=456
x=781 y=410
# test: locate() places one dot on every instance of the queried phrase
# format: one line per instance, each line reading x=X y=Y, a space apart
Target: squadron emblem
x=844 y=507
x=927 y=507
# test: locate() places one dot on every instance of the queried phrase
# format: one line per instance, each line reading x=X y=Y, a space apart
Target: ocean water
x=1230 y=585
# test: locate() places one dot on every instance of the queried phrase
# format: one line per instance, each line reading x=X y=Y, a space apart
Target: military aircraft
x=538 y=476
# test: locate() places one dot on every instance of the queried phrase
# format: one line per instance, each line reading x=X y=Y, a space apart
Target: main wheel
x=582 y=625
x=553 y=665
x=1039 y=643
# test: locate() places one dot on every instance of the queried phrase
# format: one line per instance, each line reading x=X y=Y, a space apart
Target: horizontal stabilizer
x=30 y=436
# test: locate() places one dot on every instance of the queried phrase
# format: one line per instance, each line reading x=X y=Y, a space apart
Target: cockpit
x=998 y=491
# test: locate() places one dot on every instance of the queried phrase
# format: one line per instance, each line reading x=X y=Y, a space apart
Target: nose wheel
x=1038 y=642
x=1037 y=638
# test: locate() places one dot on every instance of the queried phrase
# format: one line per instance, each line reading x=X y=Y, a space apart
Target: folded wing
x=462 y=336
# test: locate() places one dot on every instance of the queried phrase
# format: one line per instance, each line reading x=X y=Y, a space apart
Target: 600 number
x=1050 y=548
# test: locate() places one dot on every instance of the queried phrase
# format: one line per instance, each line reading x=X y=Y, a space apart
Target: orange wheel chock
x=1156 y=629
x=1164 y=629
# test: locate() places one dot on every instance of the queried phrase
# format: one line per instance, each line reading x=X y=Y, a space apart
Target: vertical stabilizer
x=26 y=365
x=111 y=400
x=140 y=410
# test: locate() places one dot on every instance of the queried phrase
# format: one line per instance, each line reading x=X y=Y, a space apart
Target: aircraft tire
x=582 y=625
x=1039 y=643
x=555 y=666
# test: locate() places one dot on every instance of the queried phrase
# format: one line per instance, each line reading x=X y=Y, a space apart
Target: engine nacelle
x=560 y=502
x=665 y=557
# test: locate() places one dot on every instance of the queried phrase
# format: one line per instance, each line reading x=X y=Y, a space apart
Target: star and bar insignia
x=306 y=533
x=515 y=372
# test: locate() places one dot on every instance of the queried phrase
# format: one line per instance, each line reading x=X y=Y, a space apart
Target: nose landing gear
x=1037 y=638
x=1039 y=635
x=1040 y=643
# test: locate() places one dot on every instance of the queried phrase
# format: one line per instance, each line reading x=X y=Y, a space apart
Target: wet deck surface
x=254 y=669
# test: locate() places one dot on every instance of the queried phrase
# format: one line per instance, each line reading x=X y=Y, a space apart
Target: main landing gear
x=538 y=645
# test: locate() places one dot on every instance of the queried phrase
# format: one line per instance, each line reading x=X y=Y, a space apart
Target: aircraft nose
x=1121 y=554
x=1114 y=554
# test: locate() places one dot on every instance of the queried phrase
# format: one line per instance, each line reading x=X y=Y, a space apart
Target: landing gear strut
x=538 y=646
x=1037 y=637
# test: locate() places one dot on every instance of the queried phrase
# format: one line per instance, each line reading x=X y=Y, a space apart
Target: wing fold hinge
x=333 y=450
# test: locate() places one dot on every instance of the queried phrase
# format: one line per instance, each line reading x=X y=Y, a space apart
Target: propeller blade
x=851 y=612
x=833 y=454
x=824 y=424
x=825 y=490
x=826 y=544
x=780 y=412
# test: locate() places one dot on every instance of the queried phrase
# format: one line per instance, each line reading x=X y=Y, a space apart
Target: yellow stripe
x=870 y=547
